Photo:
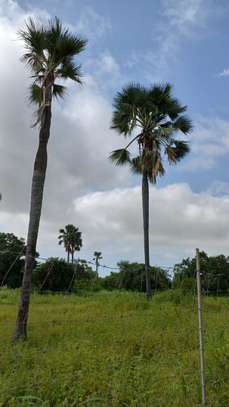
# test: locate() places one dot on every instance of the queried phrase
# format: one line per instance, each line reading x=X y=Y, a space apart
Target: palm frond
x=36 y=94
x=157 y=170
x=33 y=37
x=59 y=91
x=127 y=104
x=69 y=70
x=52 y=48
x=174 y=108
x=177 y=150
x=184 y=124
x=61 y=43
x=136 y=165
x=124 y=119
x=120 y=157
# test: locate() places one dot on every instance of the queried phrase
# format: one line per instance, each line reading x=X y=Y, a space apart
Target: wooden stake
x=200 y=321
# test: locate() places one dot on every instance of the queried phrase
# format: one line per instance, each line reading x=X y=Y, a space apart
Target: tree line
x=59 y=275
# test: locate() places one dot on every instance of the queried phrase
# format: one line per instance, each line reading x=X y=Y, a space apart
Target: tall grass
x=113 y=349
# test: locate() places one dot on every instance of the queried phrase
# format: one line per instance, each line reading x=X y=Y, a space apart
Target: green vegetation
x=215 y=270
x=132 y=277
x=113 y=349
x=58 y=275
x=11 y=263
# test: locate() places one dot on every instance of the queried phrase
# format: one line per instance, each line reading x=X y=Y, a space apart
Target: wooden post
x=200 y=322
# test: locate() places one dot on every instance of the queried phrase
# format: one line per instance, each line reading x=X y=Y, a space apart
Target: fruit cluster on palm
x=50 y=53
x=154 y=118
x=71 y=238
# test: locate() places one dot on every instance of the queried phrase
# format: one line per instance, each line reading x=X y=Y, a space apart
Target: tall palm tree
x=50 y=52
x=98 y=256
x=71 y=238
x=153 y=117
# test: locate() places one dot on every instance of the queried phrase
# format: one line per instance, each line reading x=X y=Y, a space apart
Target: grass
x=113 y=349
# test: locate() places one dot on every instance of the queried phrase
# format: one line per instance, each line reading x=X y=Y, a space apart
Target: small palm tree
x=154 y=117
x=70 y=237
x=97 y=257
x=50 y=52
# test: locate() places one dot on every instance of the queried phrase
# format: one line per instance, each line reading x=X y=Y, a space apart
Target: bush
x=187 y=285
x=12 y=250
x=53 y=275
x=85 y=285
x=58 y=275
x=132 y=277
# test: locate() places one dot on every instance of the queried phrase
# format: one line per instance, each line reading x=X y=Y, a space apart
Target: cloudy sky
x=184 y=42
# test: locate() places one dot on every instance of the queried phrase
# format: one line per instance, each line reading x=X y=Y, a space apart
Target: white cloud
x=225 y=72
x=180 y=220
x=179 y=22
x=183 y=15
x=209 y=141
x=218 y=188
x=92 y=24
x=106 y=70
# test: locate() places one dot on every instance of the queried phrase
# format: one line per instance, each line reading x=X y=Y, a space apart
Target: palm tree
x=50 y=52
x=98 y=256
x=71 y=238
x=63 y=239
x=153 y=116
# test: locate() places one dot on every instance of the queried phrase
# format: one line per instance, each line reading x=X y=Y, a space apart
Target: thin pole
x=201 y=339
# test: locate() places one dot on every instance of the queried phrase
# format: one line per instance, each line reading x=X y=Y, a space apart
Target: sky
x=183 y=42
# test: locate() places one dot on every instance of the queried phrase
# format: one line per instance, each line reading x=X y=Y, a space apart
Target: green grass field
x=113 y=349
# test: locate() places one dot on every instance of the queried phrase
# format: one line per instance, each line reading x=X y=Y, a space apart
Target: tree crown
x=70 y=236
x=154 y=117
x=50 y=53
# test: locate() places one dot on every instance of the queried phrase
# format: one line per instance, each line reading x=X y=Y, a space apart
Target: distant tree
x=57 y=275
x=84 y=271
x=154 y=117
x=50 y=52
x=71 y=238
x=98 y=256
x=132 y=277
x=214 y=269
x=54 y=275
x=12 y=251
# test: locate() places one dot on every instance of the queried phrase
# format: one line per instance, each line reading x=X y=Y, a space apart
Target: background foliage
x=11 y=251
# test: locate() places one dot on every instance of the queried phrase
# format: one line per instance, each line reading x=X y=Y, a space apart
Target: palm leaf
x=136 y=165
x=36 y=94
x=71 y=71
x=59 y=91
x=120 y=157
x=177 y=150
x=184 y=124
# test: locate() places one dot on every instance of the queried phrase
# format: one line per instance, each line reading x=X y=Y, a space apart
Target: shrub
x=53 y=275
x=58 y=275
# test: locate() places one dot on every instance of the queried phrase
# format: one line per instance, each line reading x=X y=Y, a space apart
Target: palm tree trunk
x=38 y=181
x=72 y=257
x=97 y=267
x=145 y=207
x=68 y=254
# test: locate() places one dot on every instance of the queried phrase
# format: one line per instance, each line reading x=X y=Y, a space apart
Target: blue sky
x=183 y=42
